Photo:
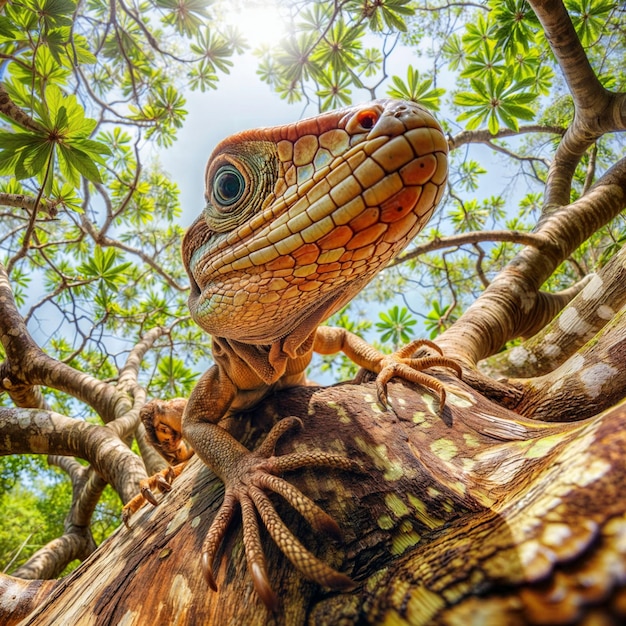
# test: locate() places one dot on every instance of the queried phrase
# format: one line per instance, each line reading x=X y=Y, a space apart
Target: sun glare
x=260 y=25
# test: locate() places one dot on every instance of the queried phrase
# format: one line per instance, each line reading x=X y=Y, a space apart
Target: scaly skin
x=299 y=218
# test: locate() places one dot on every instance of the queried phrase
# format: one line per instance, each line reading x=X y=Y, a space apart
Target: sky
x=241 y=101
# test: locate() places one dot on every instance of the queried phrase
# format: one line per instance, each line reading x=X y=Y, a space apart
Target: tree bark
x=476 y=515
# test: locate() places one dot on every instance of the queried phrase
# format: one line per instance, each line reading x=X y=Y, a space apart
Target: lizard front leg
x=162 y=420
x=399 y=364
x=246 y=475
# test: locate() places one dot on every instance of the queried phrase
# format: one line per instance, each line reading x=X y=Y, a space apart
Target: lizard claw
x=402 y=364
x=256 y=473
x=161 y=481
x=146 y=492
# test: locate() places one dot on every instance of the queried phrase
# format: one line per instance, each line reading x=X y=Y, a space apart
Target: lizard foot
x=403 y=364
x=254 y=474
x=161 y=481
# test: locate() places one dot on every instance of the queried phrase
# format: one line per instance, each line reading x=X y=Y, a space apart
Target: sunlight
x=260 y=25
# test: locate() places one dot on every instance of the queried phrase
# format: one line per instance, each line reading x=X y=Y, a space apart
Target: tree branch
x=578 y=323
x=597 y=111
x=483 y=135
x=29 y=203
x=454 y=241
x=13 y=112
x=510 y=307
x=32 y=431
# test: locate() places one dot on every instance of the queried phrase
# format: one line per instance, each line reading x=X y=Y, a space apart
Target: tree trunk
x=474 y=516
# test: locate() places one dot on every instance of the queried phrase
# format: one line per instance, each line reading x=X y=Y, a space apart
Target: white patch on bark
x=573 y=364
x=571 y=322
x=519 y=356
x=594 y=377
x=182 y=515
x=555 y=534
x=507 y=469
x=591 y=472
x=179 y=599
x=551 y=350
x=458 y=397
x=605 y=312
x=593 y=288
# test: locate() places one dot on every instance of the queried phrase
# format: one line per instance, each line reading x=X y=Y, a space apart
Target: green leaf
x=81 y=162
x=187 y=16
x=416 y=89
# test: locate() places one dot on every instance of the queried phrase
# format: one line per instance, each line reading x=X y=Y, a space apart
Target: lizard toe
x=402 y=364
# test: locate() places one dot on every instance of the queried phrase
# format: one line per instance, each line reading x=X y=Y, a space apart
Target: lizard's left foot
x=402 y=364
x=161 y=481
x=255 y=473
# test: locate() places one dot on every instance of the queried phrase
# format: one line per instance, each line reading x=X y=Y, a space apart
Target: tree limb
x=32 y=431
x=578 y=323
x=453 y=241
x=510 y=307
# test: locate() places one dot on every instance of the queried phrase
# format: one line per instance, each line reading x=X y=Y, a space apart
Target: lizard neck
x=254 y=367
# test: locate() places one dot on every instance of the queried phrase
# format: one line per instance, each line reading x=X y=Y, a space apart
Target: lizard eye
x=367 y=119
x=228 y=185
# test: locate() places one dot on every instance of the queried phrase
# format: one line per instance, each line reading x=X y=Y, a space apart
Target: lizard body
x=299 y=218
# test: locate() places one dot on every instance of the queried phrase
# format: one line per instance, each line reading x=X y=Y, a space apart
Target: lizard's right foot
x=255 y=473
x=403 y=364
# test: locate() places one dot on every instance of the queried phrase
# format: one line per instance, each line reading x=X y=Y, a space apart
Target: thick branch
x=510 y=307
x=597 y=111
x=51 y=560
x=30 y=431
x=592 y=379
x=19 y=598
x=585 y=316
x=27 y=365
x=475 y=515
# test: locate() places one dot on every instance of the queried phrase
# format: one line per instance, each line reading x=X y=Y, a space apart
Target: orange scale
x=306 y=254
x=364 y=220
x=400 y=205
x=336 y=238
x=310 y=285
x=367 y=236
x=399 y=230
x=364 y=253
x=420 y=171
x=281 y=263
x=328 y=267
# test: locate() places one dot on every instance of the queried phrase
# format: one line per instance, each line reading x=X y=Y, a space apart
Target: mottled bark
x=477 y=513
x=30 y=431
x=591 y=380
x=603 y=295
x=511 y=306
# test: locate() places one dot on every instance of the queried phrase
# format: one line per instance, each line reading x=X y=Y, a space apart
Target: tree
x=509 y=506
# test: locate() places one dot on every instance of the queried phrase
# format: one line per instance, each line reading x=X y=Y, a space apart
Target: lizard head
x=300 y=217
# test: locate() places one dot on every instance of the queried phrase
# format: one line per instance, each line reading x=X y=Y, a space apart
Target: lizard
x=298 y=219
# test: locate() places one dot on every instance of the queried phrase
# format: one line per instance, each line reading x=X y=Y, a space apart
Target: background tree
x=93 y=299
